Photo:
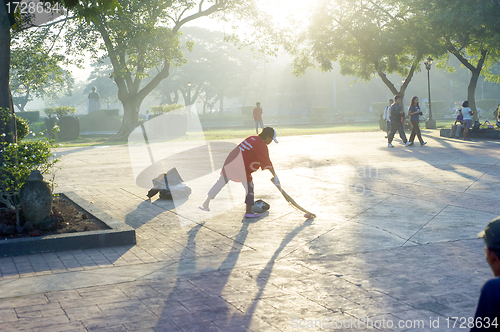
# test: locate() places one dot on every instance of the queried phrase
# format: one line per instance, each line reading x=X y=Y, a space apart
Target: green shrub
x=59 y=111
x=22 y=127
x=157 y=110
x=31 y=116
x=114 y=112
x=17 y=160
x=487 y=104
x=37 y=127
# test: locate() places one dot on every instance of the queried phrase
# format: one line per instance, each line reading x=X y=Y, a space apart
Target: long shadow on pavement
x=206 y=309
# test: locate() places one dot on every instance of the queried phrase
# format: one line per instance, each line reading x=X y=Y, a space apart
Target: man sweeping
x=246 y=158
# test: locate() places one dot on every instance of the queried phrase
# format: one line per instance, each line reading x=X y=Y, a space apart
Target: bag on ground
x=170 y=186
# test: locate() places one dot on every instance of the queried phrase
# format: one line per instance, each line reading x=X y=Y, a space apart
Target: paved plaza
x=393 y=247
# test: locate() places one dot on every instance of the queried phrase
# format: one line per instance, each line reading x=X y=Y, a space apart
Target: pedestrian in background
x=467 y=113
x=257 y=116
x=457 y=128
x=397 y=113
x=387 y=117
x=414 y=113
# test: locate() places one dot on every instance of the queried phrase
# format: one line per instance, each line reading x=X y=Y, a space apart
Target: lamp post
x=189 y=94
x=430 y=123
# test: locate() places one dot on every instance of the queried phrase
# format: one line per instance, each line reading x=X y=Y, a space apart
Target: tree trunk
x=221 y=103
x=5 y=96
x=475 y=71
x=129 y=122
x=471 y=93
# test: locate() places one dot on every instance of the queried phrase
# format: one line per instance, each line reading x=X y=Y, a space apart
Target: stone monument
x=94 y=104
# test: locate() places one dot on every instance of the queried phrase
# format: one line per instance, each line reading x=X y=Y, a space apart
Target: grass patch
x=240 y=133
x=291 y=130
x=82 y=141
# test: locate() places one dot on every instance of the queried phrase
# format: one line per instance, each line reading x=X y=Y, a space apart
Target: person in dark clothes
x=488 y=306
x=414 y=112
x=396 y=125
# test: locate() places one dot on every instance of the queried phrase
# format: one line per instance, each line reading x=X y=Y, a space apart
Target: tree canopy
x=366 y=38
x=36 y=67
x=215 y=68
x=141 y=40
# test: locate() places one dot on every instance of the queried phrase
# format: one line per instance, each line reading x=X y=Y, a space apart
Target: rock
x=36 y=199
x=48 y=224
x=35 y=233
x=9 y=230
x=28 y=226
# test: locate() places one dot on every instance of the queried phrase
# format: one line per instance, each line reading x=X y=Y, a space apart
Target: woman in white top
x=467 y=113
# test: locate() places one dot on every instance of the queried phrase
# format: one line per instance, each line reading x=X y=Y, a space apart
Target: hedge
x=437 y=105
x=320 y=112
x=157 y=110
x=30 y=116
x=487 y=104
x=112 y=112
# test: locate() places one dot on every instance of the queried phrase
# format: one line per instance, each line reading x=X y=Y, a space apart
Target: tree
x=35 y=67
x=140 y=37
x=367 y=38
x=9 y=127
x=8 y=19
x=468 y=29
x=216 y=68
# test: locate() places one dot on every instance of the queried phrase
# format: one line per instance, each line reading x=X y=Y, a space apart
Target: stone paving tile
x=7 y=315
x=36 y=299
x=84 y=312
x=324 y=268
x=74 y=326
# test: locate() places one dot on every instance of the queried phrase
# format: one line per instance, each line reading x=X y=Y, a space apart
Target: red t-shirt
x=246 y=158
x=257 y=114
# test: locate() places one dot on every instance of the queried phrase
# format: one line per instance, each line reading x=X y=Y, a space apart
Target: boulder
x=49 y=224
x=35 y=198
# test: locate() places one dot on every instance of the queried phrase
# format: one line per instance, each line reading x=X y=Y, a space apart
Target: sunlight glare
x=287 y=13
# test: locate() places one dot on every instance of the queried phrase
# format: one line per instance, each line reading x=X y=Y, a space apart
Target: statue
x=94 y=104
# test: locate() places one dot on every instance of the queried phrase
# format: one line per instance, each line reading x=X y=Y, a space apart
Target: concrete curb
x=119 y=234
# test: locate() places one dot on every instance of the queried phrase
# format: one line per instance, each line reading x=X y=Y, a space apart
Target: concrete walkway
x=393 y=247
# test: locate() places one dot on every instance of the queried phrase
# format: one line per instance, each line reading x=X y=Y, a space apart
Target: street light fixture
x=430 y=123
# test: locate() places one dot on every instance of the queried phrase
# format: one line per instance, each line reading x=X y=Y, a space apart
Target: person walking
x=246 y=158
x=257 y=116
x=397 y=113
x=386 y=117
x=467 y=113
x=414 y=113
